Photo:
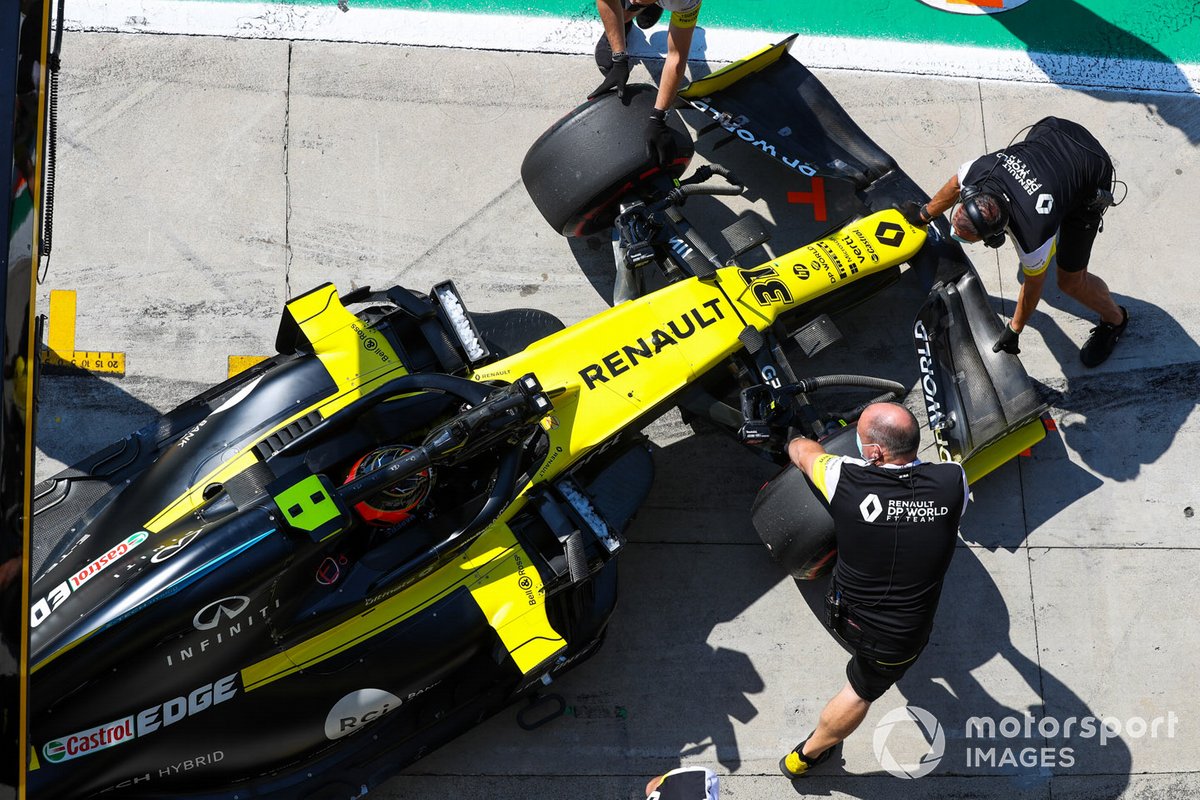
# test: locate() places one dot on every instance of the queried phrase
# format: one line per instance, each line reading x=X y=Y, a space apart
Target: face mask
x=858 y=441
x=958 y=238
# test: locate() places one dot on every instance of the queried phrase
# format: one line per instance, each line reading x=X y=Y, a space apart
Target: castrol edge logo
x=46 y=605
x=145 y=722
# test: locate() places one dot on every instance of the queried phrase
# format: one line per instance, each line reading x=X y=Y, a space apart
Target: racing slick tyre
x=578 y=170
x=794 y=523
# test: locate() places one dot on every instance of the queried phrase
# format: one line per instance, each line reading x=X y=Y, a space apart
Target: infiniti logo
x=168 y=550
x=227 y=607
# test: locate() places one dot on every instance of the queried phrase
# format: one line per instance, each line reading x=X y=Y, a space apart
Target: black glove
x=914 y=213
x=660 y=143
x=1007 y=341
x=618 y=76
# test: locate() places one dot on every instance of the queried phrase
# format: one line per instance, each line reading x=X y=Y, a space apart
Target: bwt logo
x=929 y=727
x=871 y=508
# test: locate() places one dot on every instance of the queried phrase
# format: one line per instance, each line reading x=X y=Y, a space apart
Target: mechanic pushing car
x=1050 y=192
x=896 y=519
x=613 y=60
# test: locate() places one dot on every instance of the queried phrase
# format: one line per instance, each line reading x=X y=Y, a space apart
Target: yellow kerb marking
x=242 y=363
x=60 y=340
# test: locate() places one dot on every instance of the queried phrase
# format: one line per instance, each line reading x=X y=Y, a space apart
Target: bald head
x=894 y=428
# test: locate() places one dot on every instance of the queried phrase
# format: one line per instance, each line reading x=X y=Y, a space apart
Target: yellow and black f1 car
x=311 y=575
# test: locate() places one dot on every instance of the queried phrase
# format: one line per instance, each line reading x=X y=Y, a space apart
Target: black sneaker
x=649 y=16
x=795 y=765
x=1100 y=344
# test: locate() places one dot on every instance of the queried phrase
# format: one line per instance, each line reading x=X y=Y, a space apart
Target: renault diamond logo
x=227 y=607
x=1045 y=203
x=871 y=508
x=889 y=233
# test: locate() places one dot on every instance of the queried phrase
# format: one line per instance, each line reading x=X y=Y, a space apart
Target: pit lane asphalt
x=202 y=181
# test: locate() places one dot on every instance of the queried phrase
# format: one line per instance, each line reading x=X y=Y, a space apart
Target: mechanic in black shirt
x=896 y=521
x=1049 y=192
x=613 y=61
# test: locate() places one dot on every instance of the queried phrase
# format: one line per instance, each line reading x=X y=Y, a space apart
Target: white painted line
x=578 y=36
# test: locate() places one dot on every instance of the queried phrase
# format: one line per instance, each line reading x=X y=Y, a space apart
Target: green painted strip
x=1152 y=30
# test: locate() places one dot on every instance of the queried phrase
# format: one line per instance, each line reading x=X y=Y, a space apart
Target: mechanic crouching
x=1049 y=192
x=896 y=522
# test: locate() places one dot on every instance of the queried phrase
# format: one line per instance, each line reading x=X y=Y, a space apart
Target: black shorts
x=1077 y=234
x=875 y=666
x=872 y=675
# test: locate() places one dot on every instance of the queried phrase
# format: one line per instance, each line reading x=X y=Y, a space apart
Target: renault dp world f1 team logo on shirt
x=974 y=6
x=890 y=728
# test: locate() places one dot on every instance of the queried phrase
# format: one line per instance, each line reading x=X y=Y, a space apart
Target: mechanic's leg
x=1092 y=291
x=841 y=717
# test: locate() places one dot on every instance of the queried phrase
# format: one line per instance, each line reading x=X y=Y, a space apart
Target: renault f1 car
x=311 y=575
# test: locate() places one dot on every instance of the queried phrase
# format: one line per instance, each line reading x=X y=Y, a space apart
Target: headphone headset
x=992 y=233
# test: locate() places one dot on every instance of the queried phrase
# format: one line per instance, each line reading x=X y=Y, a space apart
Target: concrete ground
x=202 y=181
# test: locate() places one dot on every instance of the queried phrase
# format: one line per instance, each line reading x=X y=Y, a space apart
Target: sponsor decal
x=187 y=765
x=975 y=6
x=187 y=437
x=1019 y=170
x=870 y=507
x=1045 y=203
x=223 y=620
x=889 y=233
x=100 y=737
x=736 y=126
x=228 y=607
x=358 y=709
x=44 y=606
x=369 y=343
x=141 y=724
x=646 y=347
x=914 y=511
x=524 y=582
x=933 y=407
x=100 y=564
x=558 y=451
x=330 y=570
x=165 y=551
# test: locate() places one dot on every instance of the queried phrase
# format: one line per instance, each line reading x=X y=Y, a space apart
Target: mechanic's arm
x=1027 y=300
x=612 y=15
x=945 y=198
x=804 y=454
x=679 y=45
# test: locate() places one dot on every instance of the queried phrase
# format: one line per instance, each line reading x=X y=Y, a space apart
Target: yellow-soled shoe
x=794 y=765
